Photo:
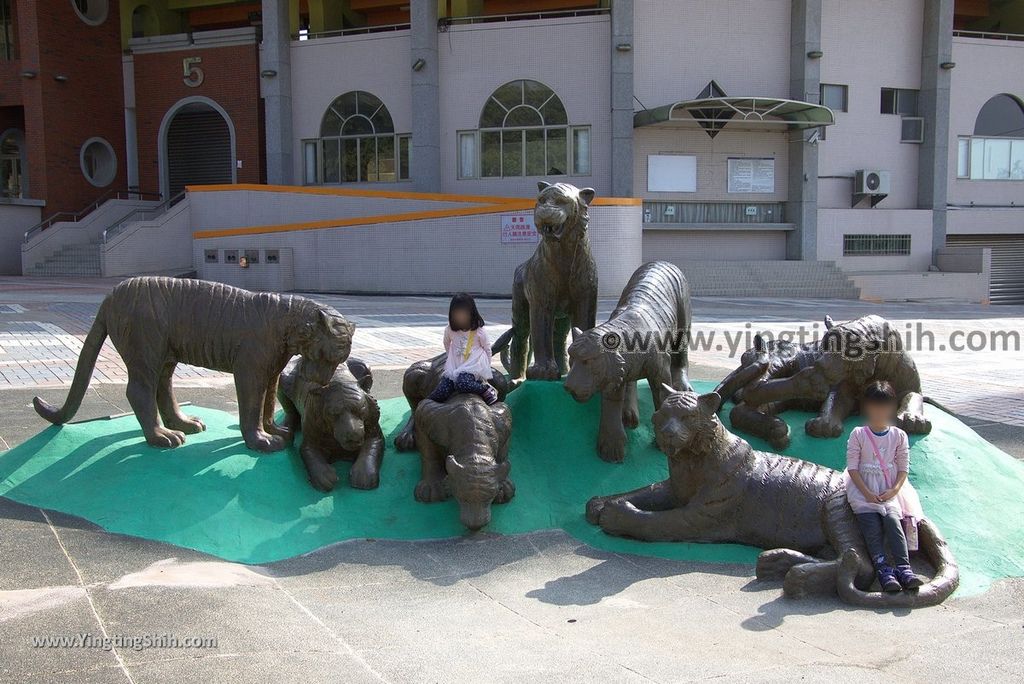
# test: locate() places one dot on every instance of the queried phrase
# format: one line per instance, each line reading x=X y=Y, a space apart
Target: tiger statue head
x=323 y=337
x=686 y=423
x=594 y=365
x=561 y=210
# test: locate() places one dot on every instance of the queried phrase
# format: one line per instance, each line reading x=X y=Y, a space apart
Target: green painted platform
x=215 y=496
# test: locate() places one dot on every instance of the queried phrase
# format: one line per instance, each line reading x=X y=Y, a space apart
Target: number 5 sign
x=193 y=73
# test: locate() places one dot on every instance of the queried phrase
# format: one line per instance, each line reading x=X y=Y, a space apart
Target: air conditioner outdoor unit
x=871 y=182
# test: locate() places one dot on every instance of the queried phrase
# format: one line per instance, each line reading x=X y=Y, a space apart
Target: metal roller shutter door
x=1007 y=285
x=198 y=150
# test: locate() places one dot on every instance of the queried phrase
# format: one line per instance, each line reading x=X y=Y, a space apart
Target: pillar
x=933 y=102
x=277 y=92
x=425 y=155
x=804 y=85
x=622 y=98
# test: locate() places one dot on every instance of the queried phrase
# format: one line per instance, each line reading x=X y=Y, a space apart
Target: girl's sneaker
x=490 y=395
x=906 y=577
x=887 y=578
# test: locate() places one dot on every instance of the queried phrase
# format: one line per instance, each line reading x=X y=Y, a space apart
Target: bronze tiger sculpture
x=156 y=323
x=463 y=447
x=646 y=336
x=827 y=377
x=554 y=289
x=720 y=490
x=339 y=421
x=419 y=381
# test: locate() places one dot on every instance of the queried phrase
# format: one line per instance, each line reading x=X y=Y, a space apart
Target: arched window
x=524 y=131
x=144 y=22
x=357 y=143
x=12 y=164
x=996 y=150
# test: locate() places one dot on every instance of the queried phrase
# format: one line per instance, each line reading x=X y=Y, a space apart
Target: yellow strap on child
x=469 y=345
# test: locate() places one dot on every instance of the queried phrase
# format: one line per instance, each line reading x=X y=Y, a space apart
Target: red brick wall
x=231 y=80
x=61 y=116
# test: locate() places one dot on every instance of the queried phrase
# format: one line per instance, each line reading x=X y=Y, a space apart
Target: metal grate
x=876 y=245
x=1006 y=285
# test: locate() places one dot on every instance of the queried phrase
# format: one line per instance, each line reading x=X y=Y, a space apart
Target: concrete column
x=804 y=85
x=622 y=98
x=933 y=155
x=425 y=155
x=277 y=92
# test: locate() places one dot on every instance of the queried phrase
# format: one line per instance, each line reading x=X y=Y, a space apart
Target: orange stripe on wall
x=396 y=194
x=510 y=205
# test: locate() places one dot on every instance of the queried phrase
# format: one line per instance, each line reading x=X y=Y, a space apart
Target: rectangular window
x=997 y=159
x=273 y=256
x=558 y=154
x=876 y=245
x=467 y=154
x=7 y=51
x=404 y=144
x=252 y=256
x=490 y=154
x=1017 y=160
x=230 y=256
x=963 y=158
x=834 y=96
x=331 y=149
x=512 y=153
x=310 y=162
x=536 y=160
x=901 y=101
x=671 y=173
x=211 y=256
x=912 y=129
x=581 y=151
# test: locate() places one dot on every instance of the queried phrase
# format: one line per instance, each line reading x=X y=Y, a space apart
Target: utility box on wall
x=271 y=270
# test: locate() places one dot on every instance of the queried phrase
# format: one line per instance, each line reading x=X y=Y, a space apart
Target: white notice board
x=671 y=173
x=752 y=175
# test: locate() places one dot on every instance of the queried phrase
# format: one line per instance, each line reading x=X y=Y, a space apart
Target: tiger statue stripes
x=156 y=323
x=646 y=336
x=720 y=490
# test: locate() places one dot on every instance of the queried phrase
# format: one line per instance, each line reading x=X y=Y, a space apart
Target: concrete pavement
x=537 y=607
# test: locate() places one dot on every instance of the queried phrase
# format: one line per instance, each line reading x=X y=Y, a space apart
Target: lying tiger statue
x=156 y=323
x=340 y=421
x=646 y=336
x=554 y=289
x=829 y=377
x=720 y=490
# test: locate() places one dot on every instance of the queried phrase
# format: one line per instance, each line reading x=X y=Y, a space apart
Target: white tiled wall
x=569 y=55
x=868 y=45
x=834 y=223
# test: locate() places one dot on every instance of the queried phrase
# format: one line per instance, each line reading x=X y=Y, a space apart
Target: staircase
x=69 y=260
x=775 y=279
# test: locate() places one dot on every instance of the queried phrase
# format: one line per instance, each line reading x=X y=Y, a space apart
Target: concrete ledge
x=902 y=286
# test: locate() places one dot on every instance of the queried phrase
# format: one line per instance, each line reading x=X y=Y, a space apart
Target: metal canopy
x=749 y=113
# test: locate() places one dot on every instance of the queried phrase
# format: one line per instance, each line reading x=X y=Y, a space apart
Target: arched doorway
x=197 y=146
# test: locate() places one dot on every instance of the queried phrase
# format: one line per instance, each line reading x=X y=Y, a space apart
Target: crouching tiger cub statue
x=720 y=490
x=156 y=323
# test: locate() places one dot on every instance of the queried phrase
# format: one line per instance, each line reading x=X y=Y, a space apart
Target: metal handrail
x=74 y=217
x=140 y=213
x=383 y=28
x=518 y=16
x=988 y=35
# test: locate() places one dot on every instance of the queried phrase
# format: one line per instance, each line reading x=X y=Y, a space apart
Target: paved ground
x=538 y=607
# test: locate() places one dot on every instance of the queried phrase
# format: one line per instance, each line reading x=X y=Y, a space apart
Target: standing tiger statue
x=156 y=323
x=647 y=336
x=554 y=289
x=720 y=490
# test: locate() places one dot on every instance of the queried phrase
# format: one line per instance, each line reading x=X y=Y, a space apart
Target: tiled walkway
x=43 y=324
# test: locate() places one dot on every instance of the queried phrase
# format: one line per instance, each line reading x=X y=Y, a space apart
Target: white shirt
x=469 y=351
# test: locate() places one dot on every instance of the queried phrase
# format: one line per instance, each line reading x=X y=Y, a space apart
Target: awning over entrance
x=741 y=113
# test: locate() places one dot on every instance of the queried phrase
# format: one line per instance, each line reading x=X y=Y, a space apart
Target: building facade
x=886 y=137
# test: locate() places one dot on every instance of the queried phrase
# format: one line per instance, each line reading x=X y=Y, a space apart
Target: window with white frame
x=524 y=131
x=357 y=144
x=834 y=96
x=981 y=158
x=902 y=101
